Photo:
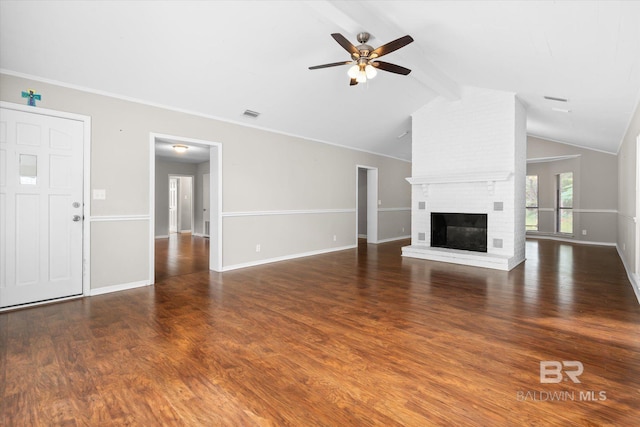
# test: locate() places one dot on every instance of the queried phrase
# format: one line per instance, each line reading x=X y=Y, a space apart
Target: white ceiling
x=195 y=153
x=219 y=58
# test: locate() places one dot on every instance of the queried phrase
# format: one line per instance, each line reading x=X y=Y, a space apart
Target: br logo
x=551 y=371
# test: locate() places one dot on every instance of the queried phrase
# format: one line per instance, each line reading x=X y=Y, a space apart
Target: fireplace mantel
x=460 y=177
x=453 y=178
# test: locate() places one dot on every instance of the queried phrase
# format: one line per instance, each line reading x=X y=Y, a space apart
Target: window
x=532 y=203
x=564 y=202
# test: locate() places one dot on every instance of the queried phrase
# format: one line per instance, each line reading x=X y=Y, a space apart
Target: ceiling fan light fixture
x=370 y=71
x=353 y=71
x=362 y=76
x=179 y=148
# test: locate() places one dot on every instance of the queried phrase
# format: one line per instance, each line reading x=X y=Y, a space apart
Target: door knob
x=76 y=218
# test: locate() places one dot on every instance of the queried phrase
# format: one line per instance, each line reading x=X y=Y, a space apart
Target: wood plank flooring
x=361 y=337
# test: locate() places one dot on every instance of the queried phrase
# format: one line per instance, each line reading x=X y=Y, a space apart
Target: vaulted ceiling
x=219 y=58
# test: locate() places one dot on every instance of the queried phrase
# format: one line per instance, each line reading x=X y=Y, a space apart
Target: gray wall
x=185 y=204
x=595 y=188
x=264 y=176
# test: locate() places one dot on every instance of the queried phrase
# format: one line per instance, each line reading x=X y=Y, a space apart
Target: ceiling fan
x=365 y=58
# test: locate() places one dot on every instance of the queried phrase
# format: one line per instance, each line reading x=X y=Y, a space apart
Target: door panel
x=60 y=244
x=40 y=193
x=25 y=222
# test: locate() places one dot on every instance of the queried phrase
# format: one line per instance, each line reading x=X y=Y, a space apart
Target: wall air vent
x=553 y=98
x=252 y=114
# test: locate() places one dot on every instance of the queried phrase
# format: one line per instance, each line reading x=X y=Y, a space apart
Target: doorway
x=213 y=206
x=367 y=203
x=43 y=182
x=181 y=202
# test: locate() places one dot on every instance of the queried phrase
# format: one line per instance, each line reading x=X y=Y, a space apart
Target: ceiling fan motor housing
x=363 y=48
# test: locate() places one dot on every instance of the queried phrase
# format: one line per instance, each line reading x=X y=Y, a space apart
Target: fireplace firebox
x=465 y=231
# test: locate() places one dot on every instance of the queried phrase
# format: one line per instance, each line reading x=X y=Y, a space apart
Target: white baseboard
x=393 y=239
x=39 y=303
x=285 y=258
x=362 y=236
x=116 y=288
x=633 y=278
x=567 y=239
x=165 y=236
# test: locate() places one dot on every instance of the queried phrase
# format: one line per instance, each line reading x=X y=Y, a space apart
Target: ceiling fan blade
x=392 y=68
x=353 y=82
x=333 y=64
x=391 y=46
x=346 y=44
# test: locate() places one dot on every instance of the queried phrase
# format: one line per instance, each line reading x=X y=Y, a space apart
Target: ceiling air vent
x=252 y=114
x=553 y=98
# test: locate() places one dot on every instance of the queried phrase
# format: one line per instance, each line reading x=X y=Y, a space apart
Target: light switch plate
x=99 y=194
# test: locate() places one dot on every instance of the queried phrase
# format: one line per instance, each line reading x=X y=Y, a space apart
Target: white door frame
x=86 y=188
x=637 y=213
x=372 y=203
x=206 y=179
x=215 y=204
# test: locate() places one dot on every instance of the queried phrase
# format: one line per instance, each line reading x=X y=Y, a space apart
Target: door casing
x=86 y=192
x=215 y=202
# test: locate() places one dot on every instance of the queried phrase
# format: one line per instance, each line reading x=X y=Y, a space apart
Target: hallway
x=181 y=253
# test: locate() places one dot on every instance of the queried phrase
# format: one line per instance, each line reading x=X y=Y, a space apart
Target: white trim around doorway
x=215 y=255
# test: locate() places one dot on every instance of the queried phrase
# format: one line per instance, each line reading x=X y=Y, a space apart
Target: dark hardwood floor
x=353 y=338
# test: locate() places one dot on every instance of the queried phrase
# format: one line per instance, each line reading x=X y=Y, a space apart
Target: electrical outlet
x=335 y=238
x=379 y=202
x=403 y=229
x=258 y=247
x=584 y=232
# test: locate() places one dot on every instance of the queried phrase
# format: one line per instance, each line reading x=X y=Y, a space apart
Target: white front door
x=41 y=207
x=206 y=212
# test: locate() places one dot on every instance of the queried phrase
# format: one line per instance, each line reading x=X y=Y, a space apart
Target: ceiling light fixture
x=561 y=110
x=179 y=148
x=403 y=134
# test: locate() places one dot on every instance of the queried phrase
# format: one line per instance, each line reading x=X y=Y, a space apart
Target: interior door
x=206 y=213
x=173 y=205
x=41 y=206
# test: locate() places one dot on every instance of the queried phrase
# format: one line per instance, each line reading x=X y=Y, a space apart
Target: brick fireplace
x=469 y=157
